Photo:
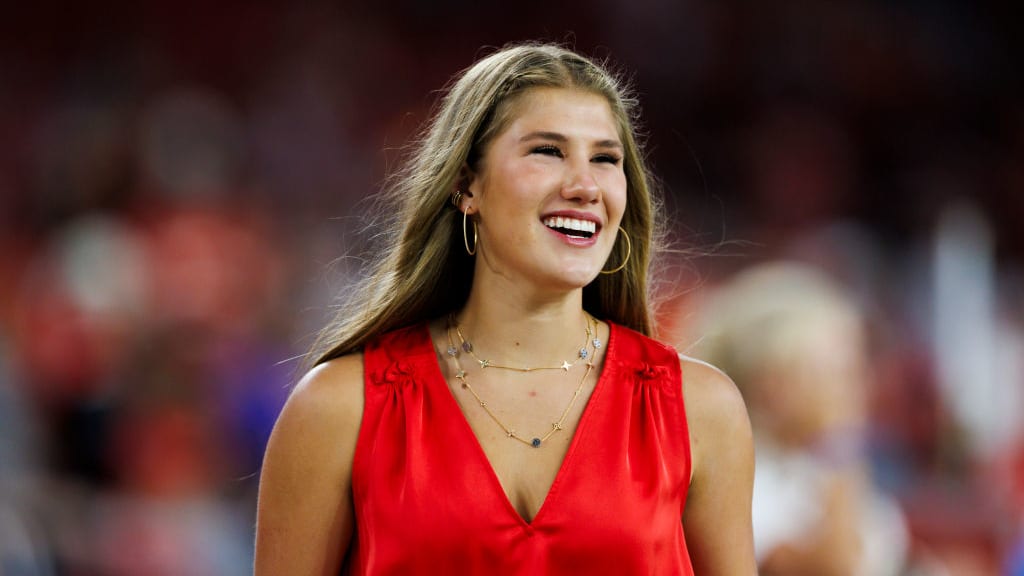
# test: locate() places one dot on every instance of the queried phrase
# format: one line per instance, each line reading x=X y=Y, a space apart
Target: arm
x=717 y=516
x=304 y=517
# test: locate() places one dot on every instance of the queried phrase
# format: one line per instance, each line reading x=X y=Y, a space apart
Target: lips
x=572 y=227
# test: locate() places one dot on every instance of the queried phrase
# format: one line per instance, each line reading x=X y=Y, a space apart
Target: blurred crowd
x=181 y=192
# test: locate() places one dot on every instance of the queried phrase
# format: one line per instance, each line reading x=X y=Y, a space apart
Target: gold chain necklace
x=510 y=432
x=467 y=347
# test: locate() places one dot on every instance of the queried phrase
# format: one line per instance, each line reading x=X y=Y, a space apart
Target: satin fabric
x=428 y=502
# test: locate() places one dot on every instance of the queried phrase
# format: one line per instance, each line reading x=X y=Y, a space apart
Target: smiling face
x=549 y=192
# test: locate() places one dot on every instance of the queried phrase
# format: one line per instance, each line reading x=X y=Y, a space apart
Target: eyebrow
x=561 y=138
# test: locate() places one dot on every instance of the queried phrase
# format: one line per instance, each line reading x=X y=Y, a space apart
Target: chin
x=573 y=279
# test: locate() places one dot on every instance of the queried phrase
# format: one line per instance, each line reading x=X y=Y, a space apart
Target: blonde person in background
x=795 y=345
x=491 y=401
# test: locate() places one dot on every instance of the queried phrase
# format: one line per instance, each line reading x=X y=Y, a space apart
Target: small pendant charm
x=467 y=346
x=596 y=343
x=452 y=351
x=535 y=443
x=566 y=366
x=583 y=353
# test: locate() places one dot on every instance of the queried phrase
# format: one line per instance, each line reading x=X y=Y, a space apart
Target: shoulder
x=715 y=411
x=304 y=518
x=637 y=347
x=330 y=394
x=312 y=446
x=717 y=514
x=336 y=386
x=323 y=410
x=709 y=391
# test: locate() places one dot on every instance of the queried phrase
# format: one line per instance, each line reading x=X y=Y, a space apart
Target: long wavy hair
x=423 y=270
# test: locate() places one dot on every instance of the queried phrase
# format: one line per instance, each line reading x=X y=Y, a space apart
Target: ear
x=467 y=182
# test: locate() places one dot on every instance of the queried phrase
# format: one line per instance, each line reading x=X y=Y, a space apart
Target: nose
x=580 y=184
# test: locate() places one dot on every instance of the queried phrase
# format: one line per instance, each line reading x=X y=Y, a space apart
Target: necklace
x=467 y=347
x=510 y=432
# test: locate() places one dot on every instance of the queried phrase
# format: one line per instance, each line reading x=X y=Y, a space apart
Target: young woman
x=491 y=402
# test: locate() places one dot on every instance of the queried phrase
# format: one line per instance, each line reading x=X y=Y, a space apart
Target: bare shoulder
x=304 y=513
x=712 y=399
x=719 y=535
x=320 y=421
x=332 y=391
x=717 y=419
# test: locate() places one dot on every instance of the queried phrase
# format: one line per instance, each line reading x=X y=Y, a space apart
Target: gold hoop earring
x=465 y=236
x=629 y=252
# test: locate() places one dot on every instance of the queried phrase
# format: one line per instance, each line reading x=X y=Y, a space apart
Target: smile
x=571 y=227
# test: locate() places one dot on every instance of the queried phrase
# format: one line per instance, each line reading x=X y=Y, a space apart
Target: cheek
x=514 y=183
x=615 y=195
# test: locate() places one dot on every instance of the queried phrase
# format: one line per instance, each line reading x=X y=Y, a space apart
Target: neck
x=525 y=331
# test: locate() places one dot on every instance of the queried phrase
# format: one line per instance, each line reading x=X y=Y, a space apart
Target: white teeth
x=571 y=224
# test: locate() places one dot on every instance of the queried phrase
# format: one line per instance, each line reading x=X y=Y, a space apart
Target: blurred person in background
x=795 y=344
x=490 y=400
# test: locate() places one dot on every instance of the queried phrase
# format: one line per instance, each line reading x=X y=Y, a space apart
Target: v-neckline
x=563 y=467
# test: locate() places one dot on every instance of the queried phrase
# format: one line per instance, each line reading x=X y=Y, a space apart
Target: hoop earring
x=629 y=252
x=465 y=237
x=456 y=199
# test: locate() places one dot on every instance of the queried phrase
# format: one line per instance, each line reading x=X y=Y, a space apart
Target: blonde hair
x=425 y=271
x=764 y=318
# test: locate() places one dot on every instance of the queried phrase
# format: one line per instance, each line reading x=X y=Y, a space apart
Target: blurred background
x=181 y=191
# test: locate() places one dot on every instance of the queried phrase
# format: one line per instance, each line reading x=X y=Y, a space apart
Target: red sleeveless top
x=427 y=501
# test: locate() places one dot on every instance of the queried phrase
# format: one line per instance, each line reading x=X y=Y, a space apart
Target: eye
x=607 y=159
x=547 y=150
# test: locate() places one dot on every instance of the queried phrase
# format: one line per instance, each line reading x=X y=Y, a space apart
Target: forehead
x=576 y=112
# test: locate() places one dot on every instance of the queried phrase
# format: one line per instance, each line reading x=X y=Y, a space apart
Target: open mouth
x=571 y=227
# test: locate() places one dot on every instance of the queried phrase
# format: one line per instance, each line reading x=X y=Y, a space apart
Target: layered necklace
x=586 y=353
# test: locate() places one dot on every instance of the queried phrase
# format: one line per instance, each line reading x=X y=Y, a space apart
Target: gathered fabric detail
x=399 y=373
x=653 y=375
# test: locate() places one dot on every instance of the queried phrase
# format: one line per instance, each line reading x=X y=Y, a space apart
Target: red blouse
x=428 y=502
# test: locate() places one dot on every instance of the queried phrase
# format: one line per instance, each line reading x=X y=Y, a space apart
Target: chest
x=524 y=425
x=439 y=487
